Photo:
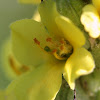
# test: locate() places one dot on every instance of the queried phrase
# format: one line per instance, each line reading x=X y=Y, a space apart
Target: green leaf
x=64 y=91
x=97 y=96
x=71 y=9
x=91 y=83
x=96 y=55
x=80 y=94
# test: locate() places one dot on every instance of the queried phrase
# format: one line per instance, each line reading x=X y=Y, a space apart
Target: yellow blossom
x=90 y=18
x=54 y=47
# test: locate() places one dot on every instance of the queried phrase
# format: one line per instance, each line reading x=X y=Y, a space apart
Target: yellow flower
x=57 y=49
x=90 y=18
x=30 y=1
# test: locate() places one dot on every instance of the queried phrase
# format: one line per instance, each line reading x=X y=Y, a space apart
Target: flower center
x=61 y=49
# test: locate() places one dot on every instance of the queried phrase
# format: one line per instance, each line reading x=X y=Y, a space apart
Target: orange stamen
x=61 y=47
x=48 y=39
x=36 y=41
x=62 y=42
x=54 y=51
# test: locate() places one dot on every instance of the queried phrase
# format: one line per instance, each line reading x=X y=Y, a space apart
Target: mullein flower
x=90 y=18
x=54 y=47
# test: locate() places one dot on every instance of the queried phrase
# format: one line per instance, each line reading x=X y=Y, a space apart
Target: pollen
x=49 y=39
x=62 y=42
x=36 y=41
x=61 y=47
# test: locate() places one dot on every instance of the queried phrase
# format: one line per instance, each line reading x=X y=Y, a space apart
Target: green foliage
x=71 y=9
x=96 y=55
x=66 y=93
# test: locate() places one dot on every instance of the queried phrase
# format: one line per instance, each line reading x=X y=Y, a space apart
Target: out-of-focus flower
x=57 y=50
x=11 y=67
x=91 y=19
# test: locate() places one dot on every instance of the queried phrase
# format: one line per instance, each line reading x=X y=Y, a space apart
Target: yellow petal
x=2 y=95
x=96 y=4
x=25 y=50
x=70 y=31
x=48 y=13
x=36 y=16
x=91 y=20
x=42 y=83
x=79 y=63
x=30 y=1
x=6 y=53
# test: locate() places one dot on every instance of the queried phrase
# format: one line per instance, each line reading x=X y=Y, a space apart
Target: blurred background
x=10 y=11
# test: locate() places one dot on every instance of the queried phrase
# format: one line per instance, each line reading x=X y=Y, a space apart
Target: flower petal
x=96 y=4
x=44 y=82
x=30 y=1
x=36 y=16
x=79 y=63
x=2 y=95
x=25 y=50
x=91 y=20
x=6 y=52
x=70 y=31
x=48 y=13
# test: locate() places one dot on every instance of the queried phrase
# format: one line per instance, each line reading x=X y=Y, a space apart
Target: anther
x=62 y=42
x=36 y=41
x=55 y=50
x=47 y=49
x=61 y=47
x=48 y=39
